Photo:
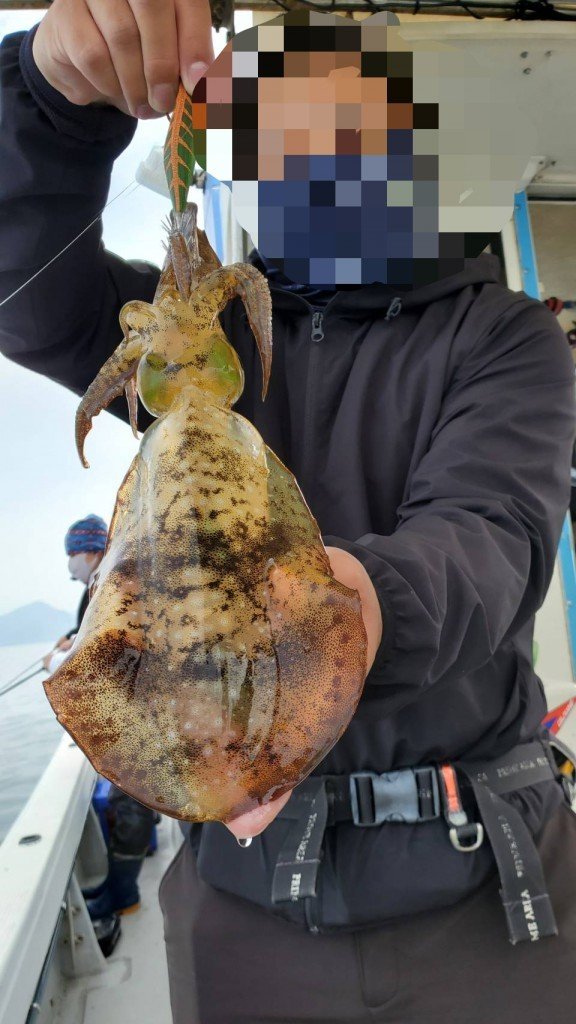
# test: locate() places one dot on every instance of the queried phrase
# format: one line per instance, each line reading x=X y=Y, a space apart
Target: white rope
x=133 y=185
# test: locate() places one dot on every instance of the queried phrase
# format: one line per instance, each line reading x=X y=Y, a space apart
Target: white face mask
x=80 y=567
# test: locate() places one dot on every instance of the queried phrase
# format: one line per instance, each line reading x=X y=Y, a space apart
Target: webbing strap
x=529 y=912
x=365 y=798
x=523 y=892
x=297 y=866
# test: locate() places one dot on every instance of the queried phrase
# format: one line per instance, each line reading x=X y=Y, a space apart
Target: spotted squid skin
x=218 y=660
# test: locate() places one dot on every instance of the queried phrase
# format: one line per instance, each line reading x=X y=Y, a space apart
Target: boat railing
x=37 y=859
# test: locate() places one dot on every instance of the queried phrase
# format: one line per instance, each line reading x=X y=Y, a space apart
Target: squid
x=219 y=659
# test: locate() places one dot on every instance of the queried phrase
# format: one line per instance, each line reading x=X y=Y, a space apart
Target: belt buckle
x=354 y=801
x=394 y=796
x=428 y=788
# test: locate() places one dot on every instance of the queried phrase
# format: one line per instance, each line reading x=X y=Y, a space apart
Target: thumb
x=254 y=822
x=195 y=49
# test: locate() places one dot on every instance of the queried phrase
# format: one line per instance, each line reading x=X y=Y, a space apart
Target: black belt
x=415 y=795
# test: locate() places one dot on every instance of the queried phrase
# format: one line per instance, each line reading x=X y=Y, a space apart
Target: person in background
x=130 y=824
x=84 y=542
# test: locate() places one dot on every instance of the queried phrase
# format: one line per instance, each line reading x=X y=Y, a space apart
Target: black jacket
x=81 y=612
x=431 y=437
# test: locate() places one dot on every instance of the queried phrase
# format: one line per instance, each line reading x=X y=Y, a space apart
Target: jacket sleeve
x=473 y=553
x=55 y=166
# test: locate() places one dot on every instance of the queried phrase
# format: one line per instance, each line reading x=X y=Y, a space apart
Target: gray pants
x=230 y=962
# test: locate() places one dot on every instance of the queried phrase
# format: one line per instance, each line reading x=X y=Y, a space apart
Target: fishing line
x=133 y=185
x=20 y=681
x=21 y=672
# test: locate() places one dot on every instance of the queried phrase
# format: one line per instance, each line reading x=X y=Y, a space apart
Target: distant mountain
x=34 y=623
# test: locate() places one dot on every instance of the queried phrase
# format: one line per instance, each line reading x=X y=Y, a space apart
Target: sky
x=44 y=487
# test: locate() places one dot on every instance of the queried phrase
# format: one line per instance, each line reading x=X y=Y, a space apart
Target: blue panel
x=525 y=246
x=568 y=567
x=213 y=215
x=530 y=284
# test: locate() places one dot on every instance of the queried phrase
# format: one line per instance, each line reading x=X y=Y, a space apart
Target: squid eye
x=156 y=362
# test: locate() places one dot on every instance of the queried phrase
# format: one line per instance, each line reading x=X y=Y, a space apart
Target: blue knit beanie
x=87 y=534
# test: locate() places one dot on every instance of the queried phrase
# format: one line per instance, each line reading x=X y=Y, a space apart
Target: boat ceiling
x=535 y=60
x=536 y=63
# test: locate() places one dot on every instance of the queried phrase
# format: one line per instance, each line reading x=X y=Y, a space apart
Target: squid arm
x=185 y=252
x=210 y=261
x=246 y=281
x=117 y=375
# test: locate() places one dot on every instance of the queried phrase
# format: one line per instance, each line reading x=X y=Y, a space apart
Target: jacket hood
x=363 y=299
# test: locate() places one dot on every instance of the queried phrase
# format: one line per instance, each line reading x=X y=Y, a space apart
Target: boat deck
x=134 y=986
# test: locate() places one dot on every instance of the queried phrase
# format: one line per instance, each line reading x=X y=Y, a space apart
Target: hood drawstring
x=394 y=308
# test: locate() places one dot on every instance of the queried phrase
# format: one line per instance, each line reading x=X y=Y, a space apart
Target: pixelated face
x=339 y=142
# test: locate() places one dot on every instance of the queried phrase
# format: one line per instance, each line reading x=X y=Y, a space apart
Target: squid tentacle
x=186 y=253
x=117 y=375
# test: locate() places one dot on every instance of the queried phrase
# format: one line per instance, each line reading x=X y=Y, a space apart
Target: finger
x=85 y=66
x=156 y=20
x=254 y=822
x=195 y=49
x=118 y=27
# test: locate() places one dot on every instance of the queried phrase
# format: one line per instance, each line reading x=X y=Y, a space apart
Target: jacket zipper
x=317 y=320
x=316 y=336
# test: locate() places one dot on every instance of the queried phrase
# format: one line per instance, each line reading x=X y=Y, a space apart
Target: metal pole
x=497 y=8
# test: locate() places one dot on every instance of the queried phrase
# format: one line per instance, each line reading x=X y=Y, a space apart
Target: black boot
x=120 y=893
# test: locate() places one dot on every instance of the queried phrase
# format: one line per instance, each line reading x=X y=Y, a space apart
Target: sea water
x=29 y=731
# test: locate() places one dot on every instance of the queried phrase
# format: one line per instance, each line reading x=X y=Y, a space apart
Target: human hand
x=46 y=661
x=127 y=53
x=349 y=571
x=64 y=644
